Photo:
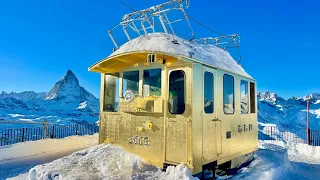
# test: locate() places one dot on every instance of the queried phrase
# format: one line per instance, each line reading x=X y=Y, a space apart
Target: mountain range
x=289 y=113
x=66 y=102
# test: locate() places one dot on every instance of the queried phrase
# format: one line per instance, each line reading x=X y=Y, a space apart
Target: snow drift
x=273 y=160
x=105 y=162
x=280 y=160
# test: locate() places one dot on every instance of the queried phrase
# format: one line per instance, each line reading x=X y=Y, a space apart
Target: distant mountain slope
x=289 y=113
x=66 y=100
x=23 y=96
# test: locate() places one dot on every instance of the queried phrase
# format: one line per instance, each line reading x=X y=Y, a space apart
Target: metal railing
x=15 y=135
x=297 y=135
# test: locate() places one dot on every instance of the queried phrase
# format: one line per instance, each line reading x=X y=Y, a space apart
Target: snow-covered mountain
x=288 y=113
x=66 y=101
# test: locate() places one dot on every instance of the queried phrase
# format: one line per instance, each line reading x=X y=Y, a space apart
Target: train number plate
x=138 y=140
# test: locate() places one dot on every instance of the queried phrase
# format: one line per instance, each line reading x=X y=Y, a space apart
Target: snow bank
x=304 y=153
x=158 y=42
x=297 y=152
x=33 y=148
x=280 y=160
x=104 y=162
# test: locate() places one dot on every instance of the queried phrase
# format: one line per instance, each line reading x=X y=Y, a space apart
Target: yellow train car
x=173 y=101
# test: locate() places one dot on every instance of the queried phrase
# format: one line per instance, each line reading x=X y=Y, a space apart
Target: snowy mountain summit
x=68 y=86
x=288 y=113
x=67 y=100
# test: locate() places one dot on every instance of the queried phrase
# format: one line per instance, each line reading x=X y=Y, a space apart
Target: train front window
x=228 y=94
x=111 y=92
x=130 y=82
x=151 y=82
x=176 y=92
x=208 y=92
x=244 y=97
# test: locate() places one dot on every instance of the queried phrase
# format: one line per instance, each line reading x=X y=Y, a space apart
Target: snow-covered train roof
x=206 y=53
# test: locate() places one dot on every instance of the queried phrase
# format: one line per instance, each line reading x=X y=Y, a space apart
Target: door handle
x=216 y=119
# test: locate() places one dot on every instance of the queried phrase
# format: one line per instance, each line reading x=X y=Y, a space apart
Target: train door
x=209 y=117
x=177 y=121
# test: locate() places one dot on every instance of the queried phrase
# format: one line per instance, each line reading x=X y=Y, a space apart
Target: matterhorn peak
x=71 y=77
x=70 y=73
x=68 y=86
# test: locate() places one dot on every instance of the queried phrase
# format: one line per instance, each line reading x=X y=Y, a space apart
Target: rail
x=11 y=136
x=296 y=135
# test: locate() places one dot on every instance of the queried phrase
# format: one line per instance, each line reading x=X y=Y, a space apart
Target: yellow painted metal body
x=193 y=138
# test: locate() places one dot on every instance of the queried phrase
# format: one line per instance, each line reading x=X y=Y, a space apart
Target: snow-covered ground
x=279 y=160
x=19 y=158
x=273 y=160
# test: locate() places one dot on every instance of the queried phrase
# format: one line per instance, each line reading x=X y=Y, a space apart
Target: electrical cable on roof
x=206 y=27
x=127 y=6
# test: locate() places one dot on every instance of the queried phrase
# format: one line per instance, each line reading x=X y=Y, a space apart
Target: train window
x=130 y=82
x=228 y=94
x=244 y=99
x=176 y=92
x=111 y=92
x=208 y=92
x=252 y=97
x=151 y=82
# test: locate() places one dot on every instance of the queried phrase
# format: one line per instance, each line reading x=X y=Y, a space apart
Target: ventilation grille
x=151 y=58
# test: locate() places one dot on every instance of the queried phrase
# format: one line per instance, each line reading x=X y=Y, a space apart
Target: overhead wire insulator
x=187 y=3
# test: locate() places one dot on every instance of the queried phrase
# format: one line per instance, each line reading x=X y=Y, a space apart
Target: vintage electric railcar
x=174 y=102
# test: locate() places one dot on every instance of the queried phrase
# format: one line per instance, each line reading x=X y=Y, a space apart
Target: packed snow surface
x=16 y=160
x=33 y=148
x=159 y=42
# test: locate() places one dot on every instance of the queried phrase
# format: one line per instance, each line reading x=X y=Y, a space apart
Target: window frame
x=223 y=92
x=122 y=80
x=161 y=79
x=140 y=93
x=184 y=89
x=104 y=92
x=213 y=93
x=248 y=98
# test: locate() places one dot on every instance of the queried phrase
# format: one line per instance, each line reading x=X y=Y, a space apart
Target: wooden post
x=52 y=133
x=22 y=138
x=45 y=129
x=76 y=129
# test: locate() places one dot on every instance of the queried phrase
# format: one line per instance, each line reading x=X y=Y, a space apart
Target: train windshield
x=151 y=82
x=131 y=82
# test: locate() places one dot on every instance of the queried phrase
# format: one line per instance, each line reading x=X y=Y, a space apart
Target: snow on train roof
x=209 y=54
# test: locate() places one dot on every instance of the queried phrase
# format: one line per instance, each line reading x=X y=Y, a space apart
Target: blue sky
x=41 y=40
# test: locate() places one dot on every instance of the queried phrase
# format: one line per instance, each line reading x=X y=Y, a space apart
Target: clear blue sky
x=41 y=40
